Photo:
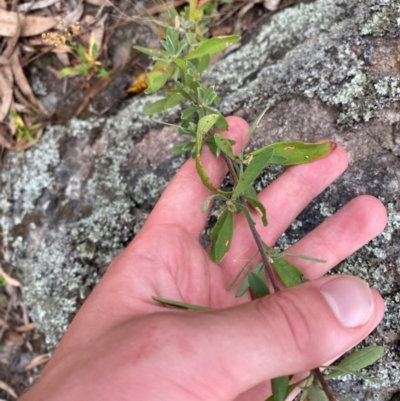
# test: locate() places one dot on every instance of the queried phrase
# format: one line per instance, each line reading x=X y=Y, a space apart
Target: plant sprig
x=186 y=53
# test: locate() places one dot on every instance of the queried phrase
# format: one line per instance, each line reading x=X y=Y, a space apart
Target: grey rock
x=329 y=68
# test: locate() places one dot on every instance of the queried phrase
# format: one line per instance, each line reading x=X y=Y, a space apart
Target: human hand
x=122 y=345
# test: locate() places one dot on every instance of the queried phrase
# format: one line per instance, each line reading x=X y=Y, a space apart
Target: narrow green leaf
x=200 y=94
x=280 y=388
x=215 y=150
x=156 y=79
x=225 y=145
x=188 y=113
x=247 y=214
x=151 y=52
x=297 y=152
x=252 y=171
x=293 y=386
x=358 y=360
x=251 y=197
x=179 y=304
x=212 y=46
x=341 y=372
x=186 y=147
x=258 y=285
x=245 y=284
x=304 y=395
x=221 y=236
x=180 y=62
x=162 y=104
x=168 y=45
x=67 y=71
x=288 y=273
x=254 y=126
x=181 y=46
x=206 y=204
x=305 y=257
x=204 y=125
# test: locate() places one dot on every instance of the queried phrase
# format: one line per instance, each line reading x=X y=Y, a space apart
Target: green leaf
x=247 y=214
x=288 y=273
x=190 y=82
x=202 y=63
x=178 y=150
x=342 y=372
x=225 y=145
x=222 y=123
x=253 y=170
x=151 y=52
x=103 y=73
x=168 y=45
x=251 y=197
x=180 y=62
x=280 y=388
x=212 y=46
x=221 y=236
x=258 y=285
x=162 y=104
x=206 y=123
x=215 y=150
x=206 y=204
x=305 y=257
x=254 y=126
x=181 y=304
x=200 y=94
x=245 y=283
x=156 y=79
x=188 y=113
x=290 y=153
x=315 y=393
x=67 y=71
x=358 y=360
x=81 y=53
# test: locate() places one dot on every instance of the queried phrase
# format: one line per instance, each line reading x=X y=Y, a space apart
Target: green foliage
x=280 y=388
x=88 y=62
x=24 y=132
x=3 y=282
x=357 y=361
x=182 y=305
x=221 y=236
x=178 y=66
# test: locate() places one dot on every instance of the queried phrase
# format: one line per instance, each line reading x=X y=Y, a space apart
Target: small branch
x=260 y=245
x=231 y=168
x=320 y=377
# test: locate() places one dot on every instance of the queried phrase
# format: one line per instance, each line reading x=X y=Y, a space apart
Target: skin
x=122 y=345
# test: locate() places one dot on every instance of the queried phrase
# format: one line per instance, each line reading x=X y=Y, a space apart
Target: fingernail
x=350 y=300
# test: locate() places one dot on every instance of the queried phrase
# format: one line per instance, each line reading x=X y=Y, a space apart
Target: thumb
x=295 y=330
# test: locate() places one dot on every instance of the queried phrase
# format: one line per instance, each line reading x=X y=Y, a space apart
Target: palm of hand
x=167 y=260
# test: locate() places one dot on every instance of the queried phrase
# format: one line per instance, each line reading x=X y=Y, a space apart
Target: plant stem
x=320 y=377
x=260 y=245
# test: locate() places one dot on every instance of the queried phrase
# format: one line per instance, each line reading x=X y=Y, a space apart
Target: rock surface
x=330 y=69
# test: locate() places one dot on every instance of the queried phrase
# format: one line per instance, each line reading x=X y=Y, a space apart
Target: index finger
x=181 y=202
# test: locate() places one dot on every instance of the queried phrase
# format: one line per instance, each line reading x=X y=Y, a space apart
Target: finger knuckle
x=290 y=323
